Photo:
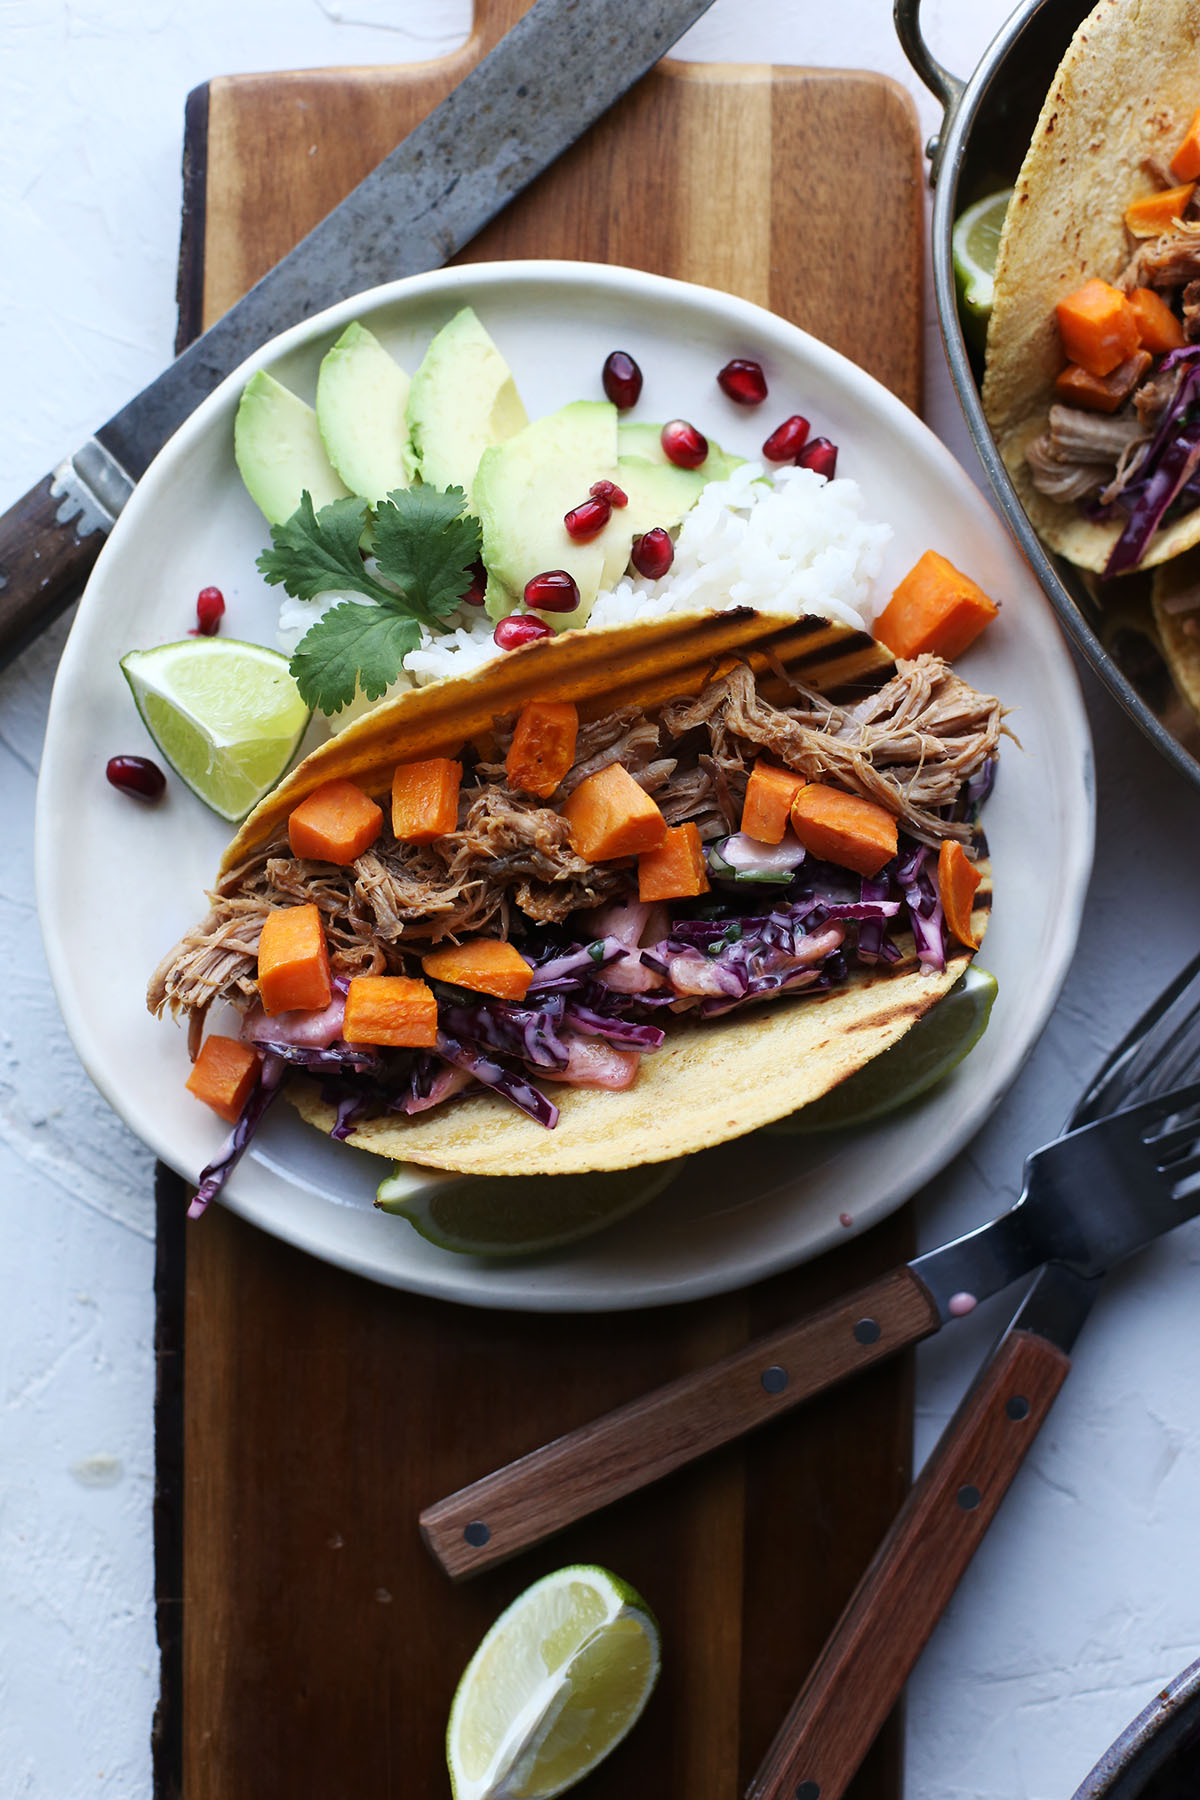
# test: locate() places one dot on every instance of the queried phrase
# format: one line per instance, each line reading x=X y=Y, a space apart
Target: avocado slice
x=659 y=493
x=463 y=399
x=524 y=487
x=646 y=441
x=362 y=394
x=278 y=450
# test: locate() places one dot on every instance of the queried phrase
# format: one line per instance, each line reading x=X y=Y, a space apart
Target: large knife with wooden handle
x=559 y=69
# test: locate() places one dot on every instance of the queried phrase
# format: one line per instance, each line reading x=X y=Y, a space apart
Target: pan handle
x=941 y=83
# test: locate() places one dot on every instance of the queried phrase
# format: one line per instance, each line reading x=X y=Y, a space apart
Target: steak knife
x=529 y=1500
x=557 y=70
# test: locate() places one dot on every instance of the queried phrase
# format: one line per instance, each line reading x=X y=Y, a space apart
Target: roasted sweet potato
x=957 y=880
x=390 y=1009
x=543 y=746
x=769 y=795
x=844 y=828
x=425 y=799
x=935 y=608
x=293 y=961
x=485 y=965
x=1097 y=327
x=336 y=823
x=676 y=869
x=609 y=815
x=224 y=1074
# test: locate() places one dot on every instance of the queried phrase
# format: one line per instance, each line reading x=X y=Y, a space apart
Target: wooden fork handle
x=888 y=1621
x=529 y=1500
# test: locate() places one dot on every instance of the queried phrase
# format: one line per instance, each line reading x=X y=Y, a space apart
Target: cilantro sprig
x=424 y=544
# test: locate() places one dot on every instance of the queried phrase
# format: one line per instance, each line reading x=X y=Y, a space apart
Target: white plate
x=118 y=882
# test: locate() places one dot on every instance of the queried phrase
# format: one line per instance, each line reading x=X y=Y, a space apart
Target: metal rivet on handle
x=476 y=1534
x=969 y=1498
x=808 y=1790
x=1017 y=1407
x=775 y=1379
x=867 y=1331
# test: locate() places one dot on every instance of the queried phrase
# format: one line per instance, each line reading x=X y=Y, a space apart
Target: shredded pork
x=910 y=747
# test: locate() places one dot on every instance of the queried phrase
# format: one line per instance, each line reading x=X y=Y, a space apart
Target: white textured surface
x=1083 y=1600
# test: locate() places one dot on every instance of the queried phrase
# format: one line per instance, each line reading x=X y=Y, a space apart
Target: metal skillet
x=986 y=127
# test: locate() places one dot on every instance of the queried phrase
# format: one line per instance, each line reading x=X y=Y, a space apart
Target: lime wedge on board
x=517 y=1215
x=226 y=715
x=935 y=1045
x=554 y=1686
x=973 y=246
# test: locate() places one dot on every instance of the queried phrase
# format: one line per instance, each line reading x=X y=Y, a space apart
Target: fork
x=1082 y=1213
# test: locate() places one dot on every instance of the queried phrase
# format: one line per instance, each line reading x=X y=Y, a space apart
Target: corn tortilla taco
x=591 y=963
x=1090 y=409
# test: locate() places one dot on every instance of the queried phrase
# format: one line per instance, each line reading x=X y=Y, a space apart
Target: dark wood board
x=310 y=1644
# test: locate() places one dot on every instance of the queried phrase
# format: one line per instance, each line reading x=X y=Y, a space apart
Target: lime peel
x=225 y=714
x=558 y=1681
x=974 y=243
x=519 y=1215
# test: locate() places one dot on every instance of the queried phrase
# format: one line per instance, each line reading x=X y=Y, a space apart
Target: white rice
x=785 y=541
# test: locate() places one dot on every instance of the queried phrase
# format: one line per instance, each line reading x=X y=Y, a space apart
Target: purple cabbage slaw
x=729 y=949
x=1167 y=468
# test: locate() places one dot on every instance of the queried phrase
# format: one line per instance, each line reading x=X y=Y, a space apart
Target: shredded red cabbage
x=216 y=1173
x=1167 y=467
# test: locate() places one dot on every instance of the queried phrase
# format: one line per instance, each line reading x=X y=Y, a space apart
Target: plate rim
x=465 y=1281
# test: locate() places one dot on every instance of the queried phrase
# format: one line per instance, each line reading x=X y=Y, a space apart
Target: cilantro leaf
x=353 y=646
x=427 y=545
x=315 y=553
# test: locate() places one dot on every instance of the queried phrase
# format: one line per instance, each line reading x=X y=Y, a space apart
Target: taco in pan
x=1092 y=377
x=625 y=895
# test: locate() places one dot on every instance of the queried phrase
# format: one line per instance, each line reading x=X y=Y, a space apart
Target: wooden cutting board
x=310 y=1646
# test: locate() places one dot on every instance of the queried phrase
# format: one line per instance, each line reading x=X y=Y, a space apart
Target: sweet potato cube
x=769 y=795
x=223 y=1075
x=935 y=608
x=1102 y=393
x=676 y=870
x=391 y=1009
x=485 y=965
x=609 y=815
x=293 y=961
x=1185 y=164
x=425 y=799
x=844 y=828
x=335 y=824
x=1156 y=213
x=543 y=746
x=1157 y=325
x=1097 y=327
x=957 y=880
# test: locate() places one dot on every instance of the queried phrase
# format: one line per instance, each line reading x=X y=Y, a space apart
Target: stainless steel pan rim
x=1143 y=1747
x=961 y=102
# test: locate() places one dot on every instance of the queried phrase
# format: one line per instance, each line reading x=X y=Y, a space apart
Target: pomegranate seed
x=518 y=629
x=210 y=606
x=474 y=594
x=743 y=381
x=552 y=591
x=622 y=380
x=683 y=445
x=653 y=553
x=586 y=521
x=136 y=775
x=820 y=455
x=787 y=440
x=608 y=490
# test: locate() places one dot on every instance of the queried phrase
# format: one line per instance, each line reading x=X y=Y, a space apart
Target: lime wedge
x=555 y=1685
x=935 y=1045
x=516 y=1215
x=973 y=246
x=226 y=715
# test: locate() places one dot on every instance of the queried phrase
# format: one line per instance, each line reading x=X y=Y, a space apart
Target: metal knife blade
x=559 y=69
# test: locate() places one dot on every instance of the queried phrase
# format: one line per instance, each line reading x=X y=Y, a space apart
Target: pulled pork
x=910 y=747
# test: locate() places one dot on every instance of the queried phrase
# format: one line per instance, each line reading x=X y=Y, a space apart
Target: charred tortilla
x=915 y=736
x=1121 y=100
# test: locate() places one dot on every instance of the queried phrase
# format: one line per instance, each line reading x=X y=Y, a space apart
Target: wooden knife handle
x=888 y=1621
x=575 y=1475
x=44 y=562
